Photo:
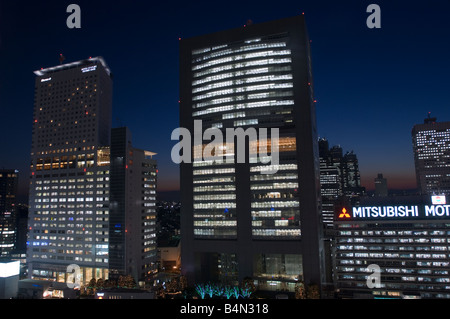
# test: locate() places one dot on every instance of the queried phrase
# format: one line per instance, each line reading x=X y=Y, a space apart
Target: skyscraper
x=381 y=188
x=351 y=176
x=8 y=211
x=431 y=147
x=69 y=184
x=237 y=221
x=339 y=176
x=132 y=239
x=339 y=182
x=331 y=186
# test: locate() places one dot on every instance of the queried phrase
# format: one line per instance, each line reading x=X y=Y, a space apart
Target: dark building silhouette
x=8 y=211
x=381 y=188
x=132 y=214
x=339 y=177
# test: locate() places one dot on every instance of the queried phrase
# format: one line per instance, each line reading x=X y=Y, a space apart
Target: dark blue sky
x=372 y=85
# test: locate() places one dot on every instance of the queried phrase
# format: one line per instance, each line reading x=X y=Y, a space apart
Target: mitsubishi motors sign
x=438 y=209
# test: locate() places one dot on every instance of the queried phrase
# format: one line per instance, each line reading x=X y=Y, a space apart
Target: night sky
x=371 y=85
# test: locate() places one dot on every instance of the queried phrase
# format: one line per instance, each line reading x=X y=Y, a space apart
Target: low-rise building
x=394 y=247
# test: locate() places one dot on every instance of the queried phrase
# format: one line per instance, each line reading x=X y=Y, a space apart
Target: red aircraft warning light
x=344 y=213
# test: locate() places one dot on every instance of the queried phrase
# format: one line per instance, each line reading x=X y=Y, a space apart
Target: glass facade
x=252 y=87
x=240 y=84
x=278 y=272
x=413 y=257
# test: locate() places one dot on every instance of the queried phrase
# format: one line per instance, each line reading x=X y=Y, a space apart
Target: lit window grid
x=274 y=215
x=218 y=93
x=421 y=255
x=76 y=212
x=266 y=78
x=253 y=71
x=238 y=57
x=216 y=52
x=240 y=106
x=237 y=99
x=243 y=65
x=212 y=100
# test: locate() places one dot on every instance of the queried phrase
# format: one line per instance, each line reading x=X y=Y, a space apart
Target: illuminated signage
x=9 y=269
x=438 y=200
x=385 y=211
x=89 y=69
x=437 y=210
x=344 y=213
x=46 y=79
x=395 y=212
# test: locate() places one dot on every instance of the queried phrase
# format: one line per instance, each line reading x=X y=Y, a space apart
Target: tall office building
x=69 y=182
x=351 y=176
x=339 y=182
x=237 y=221
x=381 y=188
x=8 y=211
x=431 y=146
x=331 y=186
x=132 y=233
x=339 y=176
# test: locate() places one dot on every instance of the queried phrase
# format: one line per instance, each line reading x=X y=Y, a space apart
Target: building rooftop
x=71 y=65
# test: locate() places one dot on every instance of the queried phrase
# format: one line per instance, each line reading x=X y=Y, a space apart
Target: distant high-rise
x=331 y=187
x=8 y=211
x=236 y=221
x=339 y=176
x=381 y=188
x=69 y=184
x=431 y=146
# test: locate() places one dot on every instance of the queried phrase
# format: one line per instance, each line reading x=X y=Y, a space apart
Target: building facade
x=237 y=220
x=331 y=187
x=132 y=240
x=69 y=182
x=339 y=177
x=8 y=211
x=381 y=187
x=431 y=147
x=393 y=247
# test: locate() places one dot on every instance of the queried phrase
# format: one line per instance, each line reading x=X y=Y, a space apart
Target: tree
x=100 y=283
x=300 y=290
x=126 y=282
x=248 y=283
x=313 y=292
x=91 y=287
x=109 y=283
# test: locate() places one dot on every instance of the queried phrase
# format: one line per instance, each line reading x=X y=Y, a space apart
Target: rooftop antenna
x=61 y=58
x=430 y=119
